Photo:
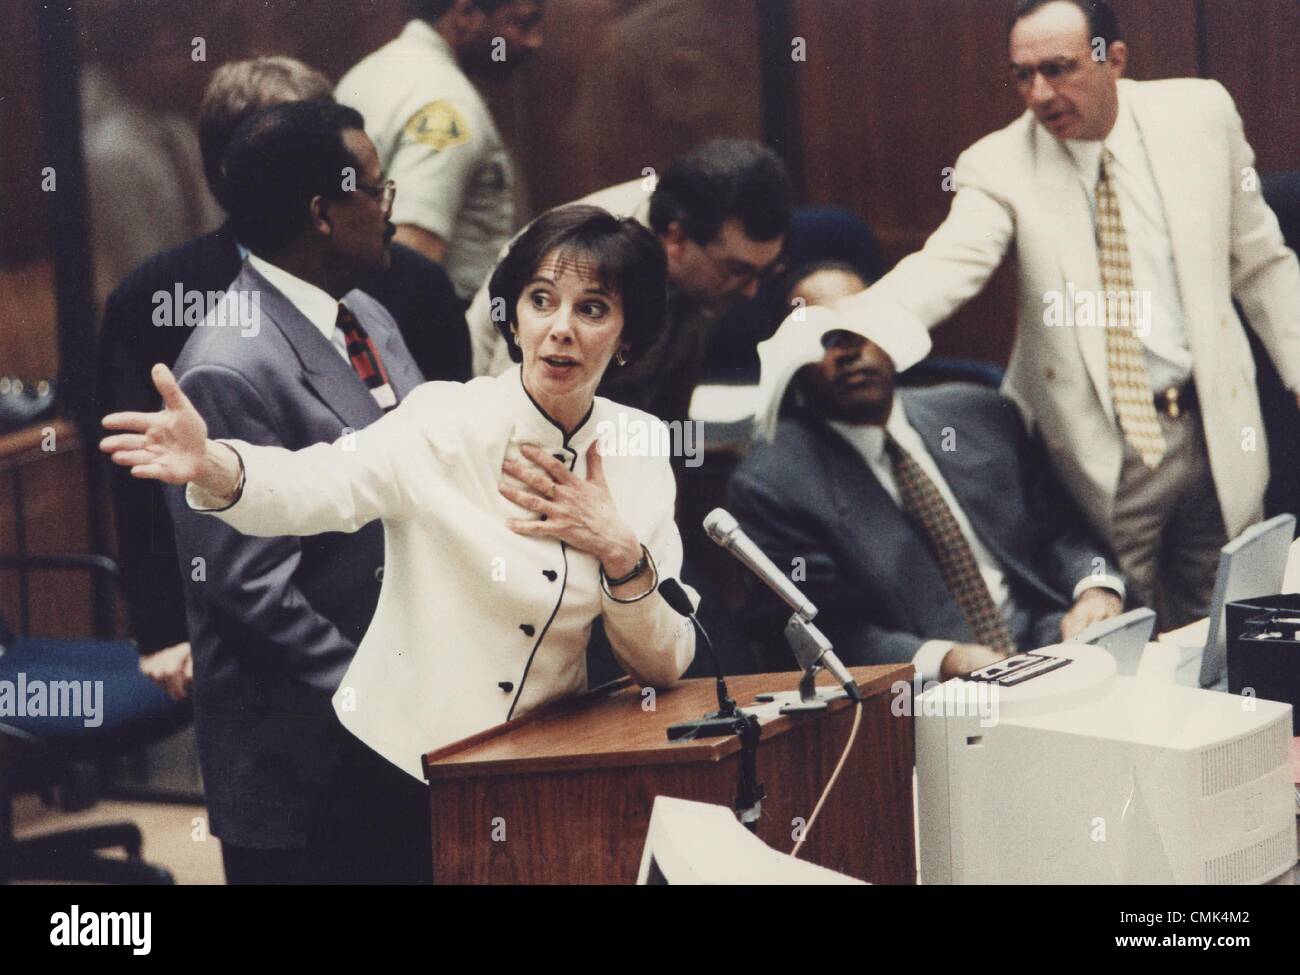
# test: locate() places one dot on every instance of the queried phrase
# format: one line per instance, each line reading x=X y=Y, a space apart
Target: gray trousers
x=1168 y=526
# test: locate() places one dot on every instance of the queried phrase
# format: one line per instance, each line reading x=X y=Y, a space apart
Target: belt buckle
x=1170 y=405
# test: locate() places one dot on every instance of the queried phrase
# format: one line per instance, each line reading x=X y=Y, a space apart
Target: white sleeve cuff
x=200 y=500
x=1114 y=583
x=928 y=660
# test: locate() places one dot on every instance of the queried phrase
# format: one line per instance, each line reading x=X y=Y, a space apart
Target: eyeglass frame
x=383 y=194
x=775 y=268
x=1052 y=70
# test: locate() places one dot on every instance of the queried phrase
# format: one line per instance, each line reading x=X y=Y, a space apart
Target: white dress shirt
x=869 y=442
x=315 y=304
x=1151 y=255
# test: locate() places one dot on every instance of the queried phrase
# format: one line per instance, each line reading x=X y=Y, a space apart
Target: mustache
x=869 y=372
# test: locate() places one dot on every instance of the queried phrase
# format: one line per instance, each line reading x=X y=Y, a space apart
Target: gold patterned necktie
x=923 y=503
x=1126 y=360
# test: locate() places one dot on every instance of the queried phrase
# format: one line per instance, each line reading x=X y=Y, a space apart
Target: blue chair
x=118 y=710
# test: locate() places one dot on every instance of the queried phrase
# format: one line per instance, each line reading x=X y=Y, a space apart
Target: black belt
x=1176 y=400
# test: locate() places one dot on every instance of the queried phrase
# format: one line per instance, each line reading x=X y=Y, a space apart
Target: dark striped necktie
x=365 y=358
x=923 y=503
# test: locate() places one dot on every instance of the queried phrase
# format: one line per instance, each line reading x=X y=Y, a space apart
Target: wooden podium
x=563 y=795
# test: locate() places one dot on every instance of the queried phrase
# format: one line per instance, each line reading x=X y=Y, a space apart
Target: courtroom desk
x=564 y=795
x=43 y=511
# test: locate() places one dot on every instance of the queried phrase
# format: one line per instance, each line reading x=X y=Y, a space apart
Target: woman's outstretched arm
x=172 y=445
x=261 y=490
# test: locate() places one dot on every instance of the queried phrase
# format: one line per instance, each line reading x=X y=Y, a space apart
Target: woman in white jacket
x=507 y=533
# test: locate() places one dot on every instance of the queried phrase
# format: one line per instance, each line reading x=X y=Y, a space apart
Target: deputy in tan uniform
x=434 y=133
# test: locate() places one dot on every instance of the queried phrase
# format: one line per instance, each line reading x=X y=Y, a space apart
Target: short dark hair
x=792 y=279
x=719 y=180
x=628 y=262
x=240 y=88
x=1100 y=15
x=278 y=160
x=432 y=10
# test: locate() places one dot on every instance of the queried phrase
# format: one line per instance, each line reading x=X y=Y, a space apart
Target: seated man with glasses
x=721 y=212
x=924 y=524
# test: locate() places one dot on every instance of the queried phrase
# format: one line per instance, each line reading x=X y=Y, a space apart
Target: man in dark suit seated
x=925 y=525
x=414 y=290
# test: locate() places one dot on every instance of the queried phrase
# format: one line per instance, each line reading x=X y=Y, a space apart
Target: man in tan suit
x=1136 y=218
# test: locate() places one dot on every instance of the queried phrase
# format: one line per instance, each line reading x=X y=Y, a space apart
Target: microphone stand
x=809 y=645
x=717 y=723
x=812 y=650
x=727 y=720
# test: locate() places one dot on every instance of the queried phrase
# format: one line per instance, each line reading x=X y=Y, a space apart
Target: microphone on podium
x=720 y=722
x=727 y=720
x=675 y=596
x=810 y=646
x=726 y=531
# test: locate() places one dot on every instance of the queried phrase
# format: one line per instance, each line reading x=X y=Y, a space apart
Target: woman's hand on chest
x=575 y=510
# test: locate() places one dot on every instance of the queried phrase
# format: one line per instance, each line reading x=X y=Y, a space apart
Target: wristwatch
x=636 y=570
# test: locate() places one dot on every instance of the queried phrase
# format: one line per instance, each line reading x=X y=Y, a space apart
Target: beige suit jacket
x=1016 y=188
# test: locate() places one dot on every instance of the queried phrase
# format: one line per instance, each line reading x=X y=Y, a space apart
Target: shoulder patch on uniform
x=439 y=125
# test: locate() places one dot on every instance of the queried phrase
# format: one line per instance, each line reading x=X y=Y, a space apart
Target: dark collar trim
x=550 y=419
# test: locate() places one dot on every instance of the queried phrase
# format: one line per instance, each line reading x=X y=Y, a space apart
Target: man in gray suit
x=292 y=355
x=925 y=526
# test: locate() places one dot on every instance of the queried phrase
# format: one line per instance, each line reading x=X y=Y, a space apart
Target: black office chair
x=34 y=749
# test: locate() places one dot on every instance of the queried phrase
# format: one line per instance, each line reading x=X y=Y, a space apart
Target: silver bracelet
x=239 y=485
x=654 y=583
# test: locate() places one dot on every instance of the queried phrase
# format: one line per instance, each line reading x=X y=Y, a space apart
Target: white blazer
x=475 y=623
x=1017 y=187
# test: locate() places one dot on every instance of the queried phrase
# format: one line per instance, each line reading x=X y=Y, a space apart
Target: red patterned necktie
x=365 y=358
x=927 y=509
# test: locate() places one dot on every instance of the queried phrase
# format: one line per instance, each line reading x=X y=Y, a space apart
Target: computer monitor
x=1251 y=565
x=700 y=843
x=1080 y=775
x=1126 y=637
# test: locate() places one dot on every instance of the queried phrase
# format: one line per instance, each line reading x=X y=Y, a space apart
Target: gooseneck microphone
x=727 y=720
x=726 y=531
x=675 y=596
x=810 y=646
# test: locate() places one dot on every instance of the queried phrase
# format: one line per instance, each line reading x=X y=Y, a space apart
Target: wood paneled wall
x=1253 y=47
x=621 y=86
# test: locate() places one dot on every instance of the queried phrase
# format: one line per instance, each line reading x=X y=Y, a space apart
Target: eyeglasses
x=742 y=272
x=383 y=194
x=1062 y=67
